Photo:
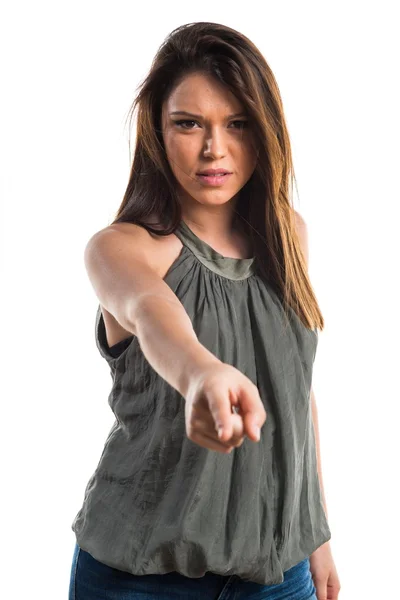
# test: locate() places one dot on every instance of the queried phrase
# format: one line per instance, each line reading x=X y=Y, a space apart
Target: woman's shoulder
x=132 y=242
x=160 y=251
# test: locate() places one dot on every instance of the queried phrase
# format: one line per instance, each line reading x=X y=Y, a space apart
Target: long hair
x=265 y=201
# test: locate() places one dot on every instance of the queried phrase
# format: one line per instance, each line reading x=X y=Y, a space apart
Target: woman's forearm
x=168 y=340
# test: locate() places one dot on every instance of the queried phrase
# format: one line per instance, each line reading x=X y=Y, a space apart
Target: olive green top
x=157 y=502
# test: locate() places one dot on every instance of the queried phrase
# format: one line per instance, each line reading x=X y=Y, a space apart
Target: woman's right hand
x=213 y=396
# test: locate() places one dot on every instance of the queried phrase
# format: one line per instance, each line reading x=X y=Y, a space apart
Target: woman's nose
x=215 y=145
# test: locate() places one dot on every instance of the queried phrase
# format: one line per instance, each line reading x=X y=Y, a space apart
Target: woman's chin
x=212 y=196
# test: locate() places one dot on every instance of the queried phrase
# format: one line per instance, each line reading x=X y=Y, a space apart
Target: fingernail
x=257 y=432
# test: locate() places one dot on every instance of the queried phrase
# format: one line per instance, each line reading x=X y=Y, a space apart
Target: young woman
x=208 y=485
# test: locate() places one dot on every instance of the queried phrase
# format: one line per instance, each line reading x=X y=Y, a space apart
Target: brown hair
x=265 y=202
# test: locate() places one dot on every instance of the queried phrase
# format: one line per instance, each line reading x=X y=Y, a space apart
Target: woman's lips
x=214 y=180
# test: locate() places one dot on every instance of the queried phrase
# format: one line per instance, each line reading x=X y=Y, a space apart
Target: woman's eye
x=242 y=124
x=180 y=123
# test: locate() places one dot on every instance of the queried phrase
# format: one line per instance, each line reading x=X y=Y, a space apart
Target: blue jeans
x=93 y=580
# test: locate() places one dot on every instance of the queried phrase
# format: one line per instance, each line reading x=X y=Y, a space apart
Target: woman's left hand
x=324 y=573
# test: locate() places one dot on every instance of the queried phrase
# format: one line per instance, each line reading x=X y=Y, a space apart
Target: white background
x=69 y=73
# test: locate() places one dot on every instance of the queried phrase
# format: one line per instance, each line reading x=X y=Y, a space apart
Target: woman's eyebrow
x=184 y=112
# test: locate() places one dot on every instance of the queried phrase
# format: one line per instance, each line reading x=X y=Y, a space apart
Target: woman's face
x=215 y=134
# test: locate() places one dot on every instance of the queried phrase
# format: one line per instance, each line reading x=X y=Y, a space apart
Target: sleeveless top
x=158 y=502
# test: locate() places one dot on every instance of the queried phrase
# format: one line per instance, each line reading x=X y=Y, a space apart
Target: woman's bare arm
x=123 y=271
